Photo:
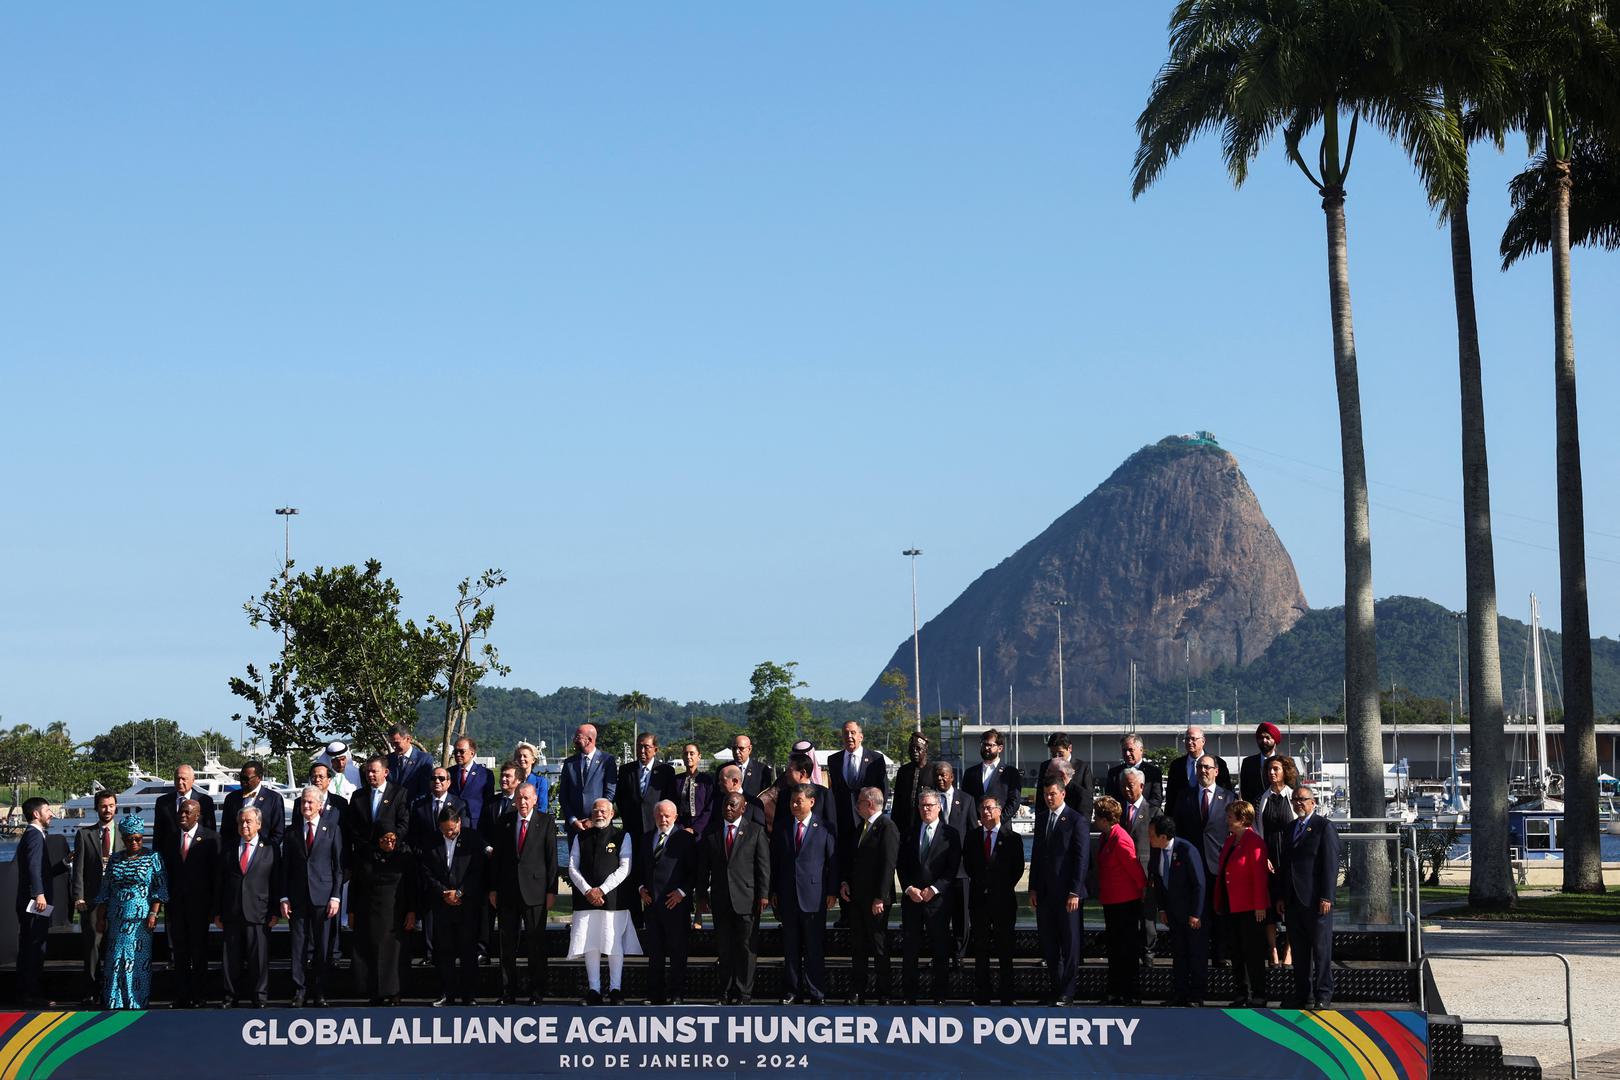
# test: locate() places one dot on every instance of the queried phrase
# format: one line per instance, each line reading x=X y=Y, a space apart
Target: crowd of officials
x=1245 y=872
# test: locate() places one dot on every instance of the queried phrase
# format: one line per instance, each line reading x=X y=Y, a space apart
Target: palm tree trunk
x=1490 y=881
x=1583 y=867
x=1364 y=741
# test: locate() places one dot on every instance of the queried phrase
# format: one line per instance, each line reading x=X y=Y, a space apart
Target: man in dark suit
x=799 y=769
x=994 y=856
x=452 y=871
x=272 y=809
x=191 y=862
x=734 y=881
x=667 y=878
x=642 y=785
x=524 y=878
x=1057 y=885
x=1176 y=874
x=1081 y=789
x=929 y=861
x=1307 y=880
x=1132 y=756
x=320 y=778
x=804 y=883
x=1135 y=815
x=312 y=886
x=93 y=846
x=409 y=766
x=867 y=864
x=756 y=774
x=166 y=812
x=728 y=780
x=588 y=774
x=1201 y=821
x=35 y=869
x=694 y=793
x=503 y=802
x=1182 y=775
x=910 y=781
x=848 y=771
x=993 y=778
x=249 y=876
x=379 y=803
x=422 y=829
x=958 y=810
x=470 y=782
x=1252 y=769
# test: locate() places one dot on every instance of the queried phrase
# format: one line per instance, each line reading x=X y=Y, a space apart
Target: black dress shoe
x=297 y=1001
x=319 y=1003
x=442 y=1002
x=677 y=1001
x=1323 y=1004
x=815 y=1002
x=536 y=998
x=615 y=997
x=1175 y=1003
x=1238 y=1003
x=471 y=1001
x=789 y=999
x=592 y=997
x=508 y=999
x=1065 y=1002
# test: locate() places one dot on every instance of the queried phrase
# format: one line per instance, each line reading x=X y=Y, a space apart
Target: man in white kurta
x=599 y=867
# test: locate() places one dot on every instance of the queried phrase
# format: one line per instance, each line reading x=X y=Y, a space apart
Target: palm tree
x=1594 y=202
x=1252 y=69
x=1465 y=58
x=1568 y=58
x=635 y=703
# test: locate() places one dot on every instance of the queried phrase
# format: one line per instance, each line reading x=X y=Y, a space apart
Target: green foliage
x=775 y=716
x=1432 y=846
x=713 y=733
x=460 y=670
x=31 y=759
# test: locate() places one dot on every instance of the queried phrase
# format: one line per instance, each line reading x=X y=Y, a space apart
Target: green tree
x=459 y=669
x=1567 y=56
x=353 y=665
x=1252 y=70
x=636 y=704
x=713 y=733
x=774 y=713
x=30 y=758
x=898 y=716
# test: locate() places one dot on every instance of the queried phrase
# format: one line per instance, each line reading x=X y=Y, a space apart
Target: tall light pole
x=286 y=514
x=916 y=652
x=1060 y=605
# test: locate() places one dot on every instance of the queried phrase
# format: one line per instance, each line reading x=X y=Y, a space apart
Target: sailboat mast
x=1541 y=711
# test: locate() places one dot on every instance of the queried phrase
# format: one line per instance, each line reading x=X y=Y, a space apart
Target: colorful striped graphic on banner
x=34 y=1045
x=1344 y=1045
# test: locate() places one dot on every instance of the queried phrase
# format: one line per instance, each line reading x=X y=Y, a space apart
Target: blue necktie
x=1299 y=828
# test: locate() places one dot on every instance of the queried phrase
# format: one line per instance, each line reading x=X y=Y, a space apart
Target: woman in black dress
x=1274 y=818
x=382 y=911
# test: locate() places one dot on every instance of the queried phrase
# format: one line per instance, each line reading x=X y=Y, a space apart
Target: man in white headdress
x=345 y=774
x=599 y=867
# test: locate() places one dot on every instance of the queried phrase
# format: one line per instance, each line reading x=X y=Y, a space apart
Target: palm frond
x=1594 y=202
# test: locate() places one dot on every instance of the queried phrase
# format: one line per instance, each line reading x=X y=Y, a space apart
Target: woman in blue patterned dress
x=133 y=891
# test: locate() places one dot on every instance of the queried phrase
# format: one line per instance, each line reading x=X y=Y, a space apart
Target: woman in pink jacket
x=1120 y=883
x=1242 y=896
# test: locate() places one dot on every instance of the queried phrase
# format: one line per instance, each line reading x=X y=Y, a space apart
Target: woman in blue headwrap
x=133 y=891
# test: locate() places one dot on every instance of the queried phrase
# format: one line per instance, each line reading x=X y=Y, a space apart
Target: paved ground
x=1527 y=986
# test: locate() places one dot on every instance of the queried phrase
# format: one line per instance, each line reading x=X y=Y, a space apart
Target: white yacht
x=213 y=778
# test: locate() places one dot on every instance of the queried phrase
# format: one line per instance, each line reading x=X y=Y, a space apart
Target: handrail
x=1567 y=1023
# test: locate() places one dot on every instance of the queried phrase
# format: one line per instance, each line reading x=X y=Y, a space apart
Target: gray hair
x=669 y=803
x=870 y=794
x=1132 y=739
x=731 y=769
x=310 y=790
x=1062 y=767
x=533 y=792
x=254 y=810
x=929 y=797
x=1133 y=773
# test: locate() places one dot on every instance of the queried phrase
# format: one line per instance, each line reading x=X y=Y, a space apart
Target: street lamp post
x=916 y=652
x=286 y=514
x=1060 y=605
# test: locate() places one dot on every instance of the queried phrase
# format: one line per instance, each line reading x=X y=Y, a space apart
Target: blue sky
x=689 y=318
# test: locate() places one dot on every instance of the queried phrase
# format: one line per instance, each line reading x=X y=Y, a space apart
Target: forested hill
x=1417 y=652
x=1302 y=670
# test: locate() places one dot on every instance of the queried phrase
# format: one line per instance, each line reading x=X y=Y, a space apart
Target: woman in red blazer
x=1120 y=883
x=1242 y=895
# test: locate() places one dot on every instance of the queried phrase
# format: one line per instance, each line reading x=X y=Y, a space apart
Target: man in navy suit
x=1001 y=782
x=312 y=858
x=379 y=804
x=272 y=809
x=409 y=765
x=470 y=782
x=588 y=774
x=960 y=811
x=1201 y=821
x=643 y=784
x=1132 y=757
x=804 y=884
x=800 y=767
x=756 y=774
x=929 y=861
x=667 y=876
x=192 y=863
x=249 y=876
x=1057 y=884
x=994 y=856
x=34 y=873
x=1307 y=879
x=1176 y=871
x=166 y=812
x=848 y=771
x=1182 y=774
x=452 y=869
x=423 y=828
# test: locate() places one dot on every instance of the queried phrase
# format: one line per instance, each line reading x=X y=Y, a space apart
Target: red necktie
x=523 y=834
x=798 y=844
x=464 y=777
x=243 y=861
x=731 y=836
x=988 y=837
x=185 y=846
x=309 y=836
x=1130 y=816
x=1206 y=804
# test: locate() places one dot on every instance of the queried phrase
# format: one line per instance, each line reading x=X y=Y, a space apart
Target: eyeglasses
x=1206 y=768
x=458 y=751
x=440 y=778
x=1302 y=802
